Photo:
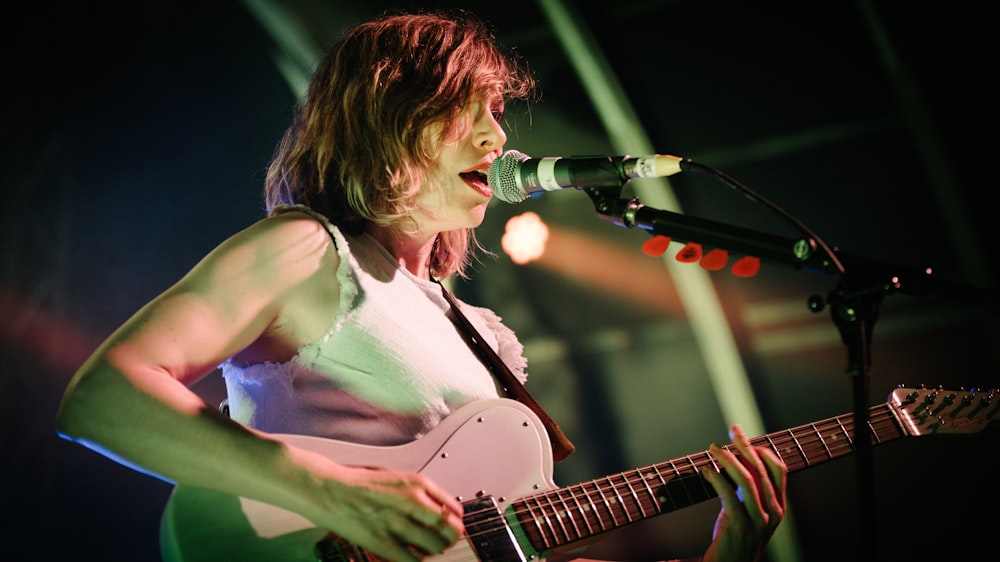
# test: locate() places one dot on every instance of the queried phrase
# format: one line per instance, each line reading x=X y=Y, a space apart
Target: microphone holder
x=854 y=303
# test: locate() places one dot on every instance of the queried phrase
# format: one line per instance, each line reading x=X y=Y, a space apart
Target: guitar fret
x=706 y=491
x=814 y=445
x=650 y=495
x=559 y=518
x=690 y=461
x=617 y=500
x=580 y=511
x=640 y=505
x=892 y=422
x=663 y=498
x=679 y=482
x=598 y=494
x=536 y=517
x=846 y=431
x=549 y=518
x=635 y=498
x=823 y=452
x=798 y=446
x=879 y=427
x=562 y=515
x=592 y=512
x=627 y=492
x=819 y=450
x=551 y=521
x=775 y=447
x=694 y=485
x=822 y=441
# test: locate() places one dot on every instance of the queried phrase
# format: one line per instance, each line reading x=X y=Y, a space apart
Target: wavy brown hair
x=356 y=149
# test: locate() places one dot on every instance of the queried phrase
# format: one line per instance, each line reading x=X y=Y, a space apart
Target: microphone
x=515 y=176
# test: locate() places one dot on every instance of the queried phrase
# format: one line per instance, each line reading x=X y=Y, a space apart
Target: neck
x=413 y=253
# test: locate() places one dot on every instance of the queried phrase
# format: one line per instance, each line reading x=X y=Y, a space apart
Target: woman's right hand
x=399 y=516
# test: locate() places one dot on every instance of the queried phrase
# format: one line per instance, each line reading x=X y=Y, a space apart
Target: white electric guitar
x=495 y=456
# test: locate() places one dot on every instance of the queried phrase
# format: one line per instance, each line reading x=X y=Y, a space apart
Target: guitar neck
x=566 y=515
x=562 y=516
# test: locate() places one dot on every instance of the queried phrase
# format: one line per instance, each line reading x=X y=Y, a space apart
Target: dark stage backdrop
x=136 y=138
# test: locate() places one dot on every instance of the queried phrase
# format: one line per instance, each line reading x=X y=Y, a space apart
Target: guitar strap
x=561 y=445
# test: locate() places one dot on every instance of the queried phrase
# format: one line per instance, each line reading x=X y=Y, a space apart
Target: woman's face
x=455 y=194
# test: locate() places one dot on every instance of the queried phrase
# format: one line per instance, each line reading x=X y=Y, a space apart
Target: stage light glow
x=524 y=238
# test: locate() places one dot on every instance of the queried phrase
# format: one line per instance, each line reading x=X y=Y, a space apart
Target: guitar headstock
x=926 y=411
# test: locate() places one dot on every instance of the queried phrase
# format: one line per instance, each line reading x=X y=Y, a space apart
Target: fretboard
x=565 y=515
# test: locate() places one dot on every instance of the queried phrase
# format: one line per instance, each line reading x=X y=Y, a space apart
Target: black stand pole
x=854 y=314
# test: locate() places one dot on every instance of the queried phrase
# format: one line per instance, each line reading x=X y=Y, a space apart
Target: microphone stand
x=854 y=302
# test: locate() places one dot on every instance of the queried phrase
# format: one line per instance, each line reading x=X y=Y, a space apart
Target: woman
x=326 y=316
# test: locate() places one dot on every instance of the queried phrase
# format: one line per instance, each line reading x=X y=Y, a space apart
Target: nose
x=492 y=136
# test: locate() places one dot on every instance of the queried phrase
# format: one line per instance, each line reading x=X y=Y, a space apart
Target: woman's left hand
x=753 y=499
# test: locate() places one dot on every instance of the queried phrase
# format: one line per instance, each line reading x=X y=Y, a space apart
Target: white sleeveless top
x=390 y=367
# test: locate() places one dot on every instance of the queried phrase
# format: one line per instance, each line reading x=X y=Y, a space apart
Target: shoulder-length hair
x=356 y=149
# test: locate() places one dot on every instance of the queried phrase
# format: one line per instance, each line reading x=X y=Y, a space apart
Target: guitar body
x=495 y=448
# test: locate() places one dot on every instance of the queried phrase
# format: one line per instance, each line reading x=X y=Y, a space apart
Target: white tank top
x=390 y=367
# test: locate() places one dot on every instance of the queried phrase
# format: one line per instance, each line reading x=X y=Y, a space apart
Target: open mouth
x=477 y=180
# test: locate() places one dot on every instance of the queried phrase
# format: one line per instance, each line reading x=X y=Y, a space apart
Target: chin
x=478 y=214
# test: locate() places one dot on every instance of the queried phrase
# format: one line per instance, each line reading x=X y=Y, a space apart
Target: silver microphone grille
x=502 y=177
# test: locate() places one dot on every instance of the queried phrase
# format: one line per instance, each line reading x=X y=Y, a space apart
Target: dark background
x=136 y=138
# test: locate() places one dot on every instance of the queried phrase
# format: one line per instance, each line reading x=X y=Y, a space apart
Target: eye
x=497 y=114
